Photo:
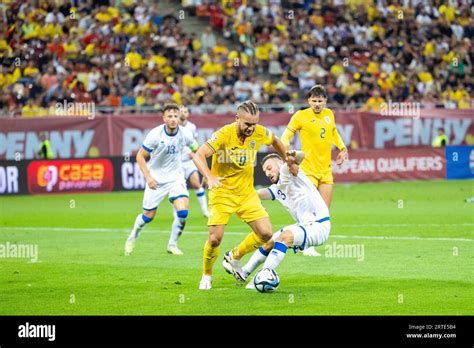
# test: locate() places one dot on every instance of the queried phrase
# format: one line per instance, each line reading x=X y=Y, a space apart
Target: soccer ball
x=266 y=280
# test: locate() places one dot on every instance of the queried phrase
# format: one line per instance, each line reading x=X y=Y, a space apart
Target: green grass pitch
x=418 y=257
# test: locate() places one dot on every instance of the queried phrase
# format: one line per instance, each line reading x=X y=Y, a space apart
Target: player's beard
x=276 y=178
x=245 y=133
x=172 y=129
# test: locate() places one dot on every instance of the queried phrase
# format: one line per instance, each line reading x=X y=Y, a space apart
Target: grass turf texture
x=82 y=269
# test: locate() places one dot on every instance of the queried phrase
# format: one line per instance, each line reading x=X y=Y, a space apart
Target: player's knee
x=266 y=236
x=268 y=246
x=286 y=237
x=214 y=240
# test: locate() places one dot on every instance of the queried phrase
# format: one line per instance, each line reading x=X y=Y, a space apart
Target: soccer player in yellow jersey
x=234 y=149
x=317 y=132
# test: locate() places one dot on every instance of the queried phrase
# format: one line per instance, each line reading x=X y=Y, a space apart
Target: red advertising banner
x=387 y=165
x=109 y=135
x=85 y=175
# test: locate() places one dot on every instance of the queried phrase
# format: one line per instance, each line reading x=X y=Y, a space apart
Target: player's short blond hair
x=249 y=107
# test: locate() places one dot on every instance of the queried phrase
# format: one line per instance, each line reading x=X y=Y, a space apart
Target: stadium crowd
x=132 y=54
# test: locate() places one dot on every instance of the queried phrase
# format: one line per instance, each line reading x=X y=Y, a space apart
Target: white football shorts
x=306 y=235
x=174 y=189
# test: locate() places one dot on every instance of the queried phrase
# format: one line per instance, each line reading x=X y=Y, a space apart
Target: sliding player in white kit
x=164 y=176
x=191 y=173
x=305 y=204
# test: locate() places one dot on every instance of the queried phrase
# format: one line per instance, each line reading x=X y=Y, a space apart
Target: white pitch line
x=403 y=238
x=62 y=229
x=402 y=225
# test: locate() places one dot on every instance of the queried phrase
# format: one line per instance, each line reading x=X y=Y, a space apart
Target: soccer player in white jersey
x=305 y=204
x=163 y=146
x=190 y=170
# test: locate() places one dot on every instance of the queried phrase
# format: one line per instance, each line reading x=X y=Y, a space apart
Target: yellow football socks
x=251 y=243
x=209 y=258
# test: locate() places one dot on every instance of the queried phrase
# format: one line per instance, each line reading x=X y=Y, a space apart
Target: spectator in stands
x=99 y=45
x=208 y=39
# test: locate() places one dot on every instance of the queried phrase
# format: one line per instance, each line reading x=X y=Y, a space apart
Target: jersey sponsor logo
x=252 y=144
x=70 y=176
x=327 y=119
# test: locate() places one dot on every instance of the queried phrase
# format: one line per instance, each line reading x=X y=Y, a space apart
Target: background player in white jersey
x=164 y=175
x=190 y=170
x=305 y=204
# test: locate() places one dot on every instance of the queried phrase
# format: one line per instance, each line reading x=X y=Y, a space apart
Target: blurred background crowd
x=135 y=56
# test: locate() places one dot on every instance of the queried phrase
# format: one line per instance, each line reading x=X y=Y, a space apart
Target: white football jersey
x=191 y=128
x=299 y=195
x=165 y=152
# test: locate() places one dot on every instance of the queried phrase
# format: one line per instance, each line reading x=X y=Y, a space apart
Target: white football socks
x=176 y=230
x=257 y=258
x=276 y=256
x=201 y=196
x=137 y=227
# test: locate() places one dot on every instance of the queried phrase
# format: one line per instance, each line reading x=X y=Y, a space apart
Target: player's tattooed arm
x=199 y=160
x=142 y=156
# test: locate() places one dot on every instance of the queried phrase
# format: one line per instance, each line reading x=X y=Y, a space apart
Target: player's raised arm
x=142 y=156
x=290 y=130
x=286 y=137
x=199 y=160
x=282 y=151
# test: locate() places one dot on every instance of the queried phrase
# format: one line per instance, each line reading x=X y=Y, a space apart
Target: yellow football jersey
x=317 y=132
x=235 y=161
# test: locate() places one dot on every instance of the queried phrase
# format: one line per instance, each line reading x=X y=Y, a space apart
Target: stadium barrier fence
x=110 y=136
x=123 y=174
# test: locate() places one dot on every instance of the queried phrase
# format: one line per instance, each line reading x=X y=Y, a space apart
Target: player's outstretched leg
x=181 y=207
x=262 y=233
x=210 y=253
x=257 y=258
x=140 y=223
x=284 y=240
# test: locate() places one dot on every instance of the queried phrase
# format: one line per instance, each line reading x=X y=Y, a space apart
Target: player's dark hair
x=248 y=106
x=317 y=91
x=270 y=155
x=168 y=107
